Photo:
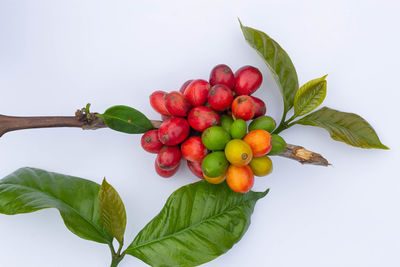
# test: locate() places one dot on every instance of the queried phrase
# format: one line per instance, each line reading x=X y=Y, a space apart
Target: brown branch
x=303 y=155
x=89 y=121
x=80 y=120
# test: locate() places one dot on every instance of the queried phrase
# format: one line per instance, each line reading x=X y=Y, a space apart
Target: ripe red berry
x=193 y=149
x=261 y=108
x=247 y=80
x=222 y=74
x=195 y=168
x=173 y=131
x=220 y=97
x=184 y=86
x=197 y=92
x=243 y=107
x=150 y=141
x=169 y=157
x=165 y=173
x=177 y=104
x=200 y=118
x=157 y=101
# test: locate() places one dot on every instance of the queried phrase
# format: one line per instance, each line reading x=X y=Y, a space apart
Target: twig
x=89 y=121
x=303 y=155
x=86 y=121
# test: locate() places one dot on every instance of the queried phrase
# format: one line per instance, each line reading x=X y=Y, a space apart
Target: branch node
x=90 y=120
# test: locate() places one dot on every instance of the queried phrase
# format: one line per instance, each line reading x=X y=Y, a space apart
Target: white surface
x=55 y=56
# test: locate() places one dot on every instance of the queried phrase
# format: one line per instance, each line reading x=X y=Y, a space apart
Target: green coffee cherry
x=214 y=164
x=226 y=122
x=238 y=129
x=263 y=123
x=215 y=138
x=278 y=145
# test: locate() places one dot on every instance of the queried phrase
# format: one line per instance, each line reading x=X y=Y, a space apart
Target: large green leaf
x=345 y=127
x=126 y=119
x=112 y=211
x=277 y=61
x=198 y=223
x=310 y=96
x=28 y=190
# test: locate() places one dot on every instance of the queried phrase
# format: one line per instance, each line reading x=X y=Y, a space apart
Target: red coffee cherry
x=243 y=107
x=195 y=168
x=177 y=104
x=150 y=141
x=247 y=80
x=197 y=92
x=200 y=118
x=169 y=157
x=220 y=97
x=166 y=173
x=184 y=86
x=222 y=74
x=173 y=131
x=157 y=101
x=193 y=149
x=261 y=108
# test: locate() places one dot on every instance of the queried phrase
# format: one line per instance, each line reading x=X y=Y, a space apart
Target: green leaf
x=277 y=61
x=28 y=190
x=344 y=127
x=310 y=96
x=198 y=223
x=126 y=119
x=112 y=211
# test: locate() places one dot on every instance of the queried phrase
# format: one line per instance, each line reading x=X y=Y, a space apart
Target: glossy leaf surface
x=278 y=62
x=28 y=190
x=126 y=119
x=112 y=211
x=310 y=96
x=344 y=127
x=198 y=223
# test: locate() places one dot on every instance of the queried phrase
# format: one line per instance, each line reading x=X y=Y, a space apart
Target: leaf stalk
x=116 y=257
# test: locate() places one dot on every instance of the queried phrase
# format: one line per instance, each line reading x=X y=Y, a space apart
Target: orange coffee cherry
x=240 y=178
x=259 y=141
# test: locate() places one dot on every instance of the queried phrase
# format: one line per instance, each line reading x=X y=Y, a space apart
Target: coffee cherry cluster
x=205 y=123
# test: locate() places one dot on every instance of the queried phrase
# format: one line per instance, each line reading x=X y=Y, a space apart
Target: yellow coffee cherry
x=238 y=152
x=261 y=166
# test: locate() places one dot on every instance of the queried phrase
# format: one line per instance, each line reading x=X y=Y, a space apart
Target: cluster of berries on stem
x=205 y=123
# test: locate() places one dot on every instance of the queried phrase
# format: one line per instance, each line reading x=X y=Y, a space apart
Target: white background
x=55 y=56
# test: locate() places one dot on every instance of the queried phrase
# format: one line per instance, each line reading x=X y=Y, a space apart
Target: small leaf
x=112 y=211
x=28 y=190
x=278 y=62
x=126 y=119
x=198 y=223
x=344 y=127
x=310 y=96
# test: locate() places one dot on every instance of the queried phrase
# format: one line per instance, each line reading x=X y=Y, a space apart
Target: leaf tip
x=382 y=146
x=263 y=193
x=240 y=22
x=266 y=192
